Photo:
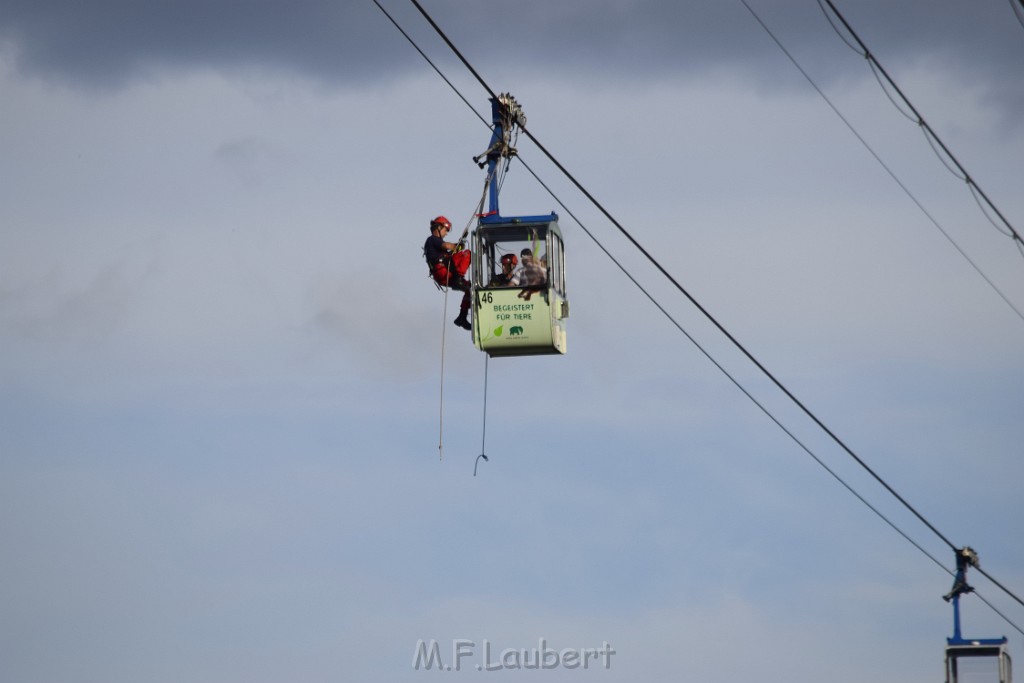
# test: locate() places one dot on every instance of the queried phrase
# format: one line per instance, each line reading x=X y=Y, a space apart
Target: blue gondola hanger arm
x=506 y=114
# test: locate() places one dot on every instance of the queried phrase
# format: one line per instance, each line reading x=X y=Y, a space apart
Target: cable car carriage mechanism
x=518 y=274
x=972 y=660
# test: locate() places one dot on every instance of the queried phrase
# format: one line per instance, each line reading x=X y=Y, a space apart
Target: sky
x=238 y=430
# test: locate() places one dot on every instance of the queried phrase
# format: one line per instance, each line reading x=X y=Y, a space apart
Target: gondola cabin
x=519 y=301
x=977 y=661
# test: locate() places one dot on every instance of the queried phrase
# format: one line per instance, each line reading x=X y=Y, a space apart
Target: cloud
x=110 y=43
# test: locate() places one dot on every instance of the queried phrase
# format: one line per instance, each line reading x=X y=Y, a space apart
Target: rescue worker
x=448 y=263
x=508 y=277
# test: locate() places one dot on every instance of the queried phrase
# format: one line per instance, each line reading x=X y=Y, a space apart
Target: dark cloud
x=353 y=43
x=108 y=43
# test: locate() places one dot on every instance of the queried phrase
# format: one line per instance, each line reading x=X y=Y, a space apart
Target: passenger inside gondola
x=532 y=277
x=530 y=272
x=508 y=276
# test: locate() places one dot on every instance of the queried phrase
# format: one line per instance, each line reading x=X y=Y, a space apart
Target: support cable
x=1018 y=10
x=425 y=57
x=718 y=325
x=732 y=378
x=675 y=283
x=1001 y=586
x=876 y=65
x=759 y=404
x=892 y=174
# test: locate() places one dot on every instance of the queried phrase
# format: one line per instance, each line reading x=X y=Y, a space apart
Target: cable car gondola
x=526 y=316
x=518 y=278
x=973 y=660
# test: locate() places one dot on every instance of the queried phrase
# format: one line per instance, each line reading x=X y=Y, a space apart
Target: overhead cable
x=424 y=55
x=881 y=162
x=675 y=283
x=1018 y=10
x=929 y=132
x=711 y=318
x=690 y=337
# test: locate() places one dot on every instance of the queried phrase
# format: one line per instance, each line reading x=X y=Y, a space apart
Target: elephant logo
x=515 y=331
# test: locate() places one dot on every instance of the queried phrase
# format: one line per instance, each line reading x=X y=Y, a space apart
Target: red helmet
x=509 y=259
x=440 y=222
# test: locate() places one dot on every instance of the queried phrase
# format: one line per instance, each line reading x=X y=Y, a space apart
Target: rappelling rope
x=444 y=319
x=483 y=438
x=440 y=428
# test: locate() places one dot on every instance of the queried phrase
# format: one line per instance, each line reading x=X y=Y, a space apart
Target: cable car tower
x=518 y=278
x=968 y=660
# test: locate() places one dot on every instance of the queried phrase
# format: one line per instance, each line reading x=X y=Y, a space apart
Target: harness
x=445 y=260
